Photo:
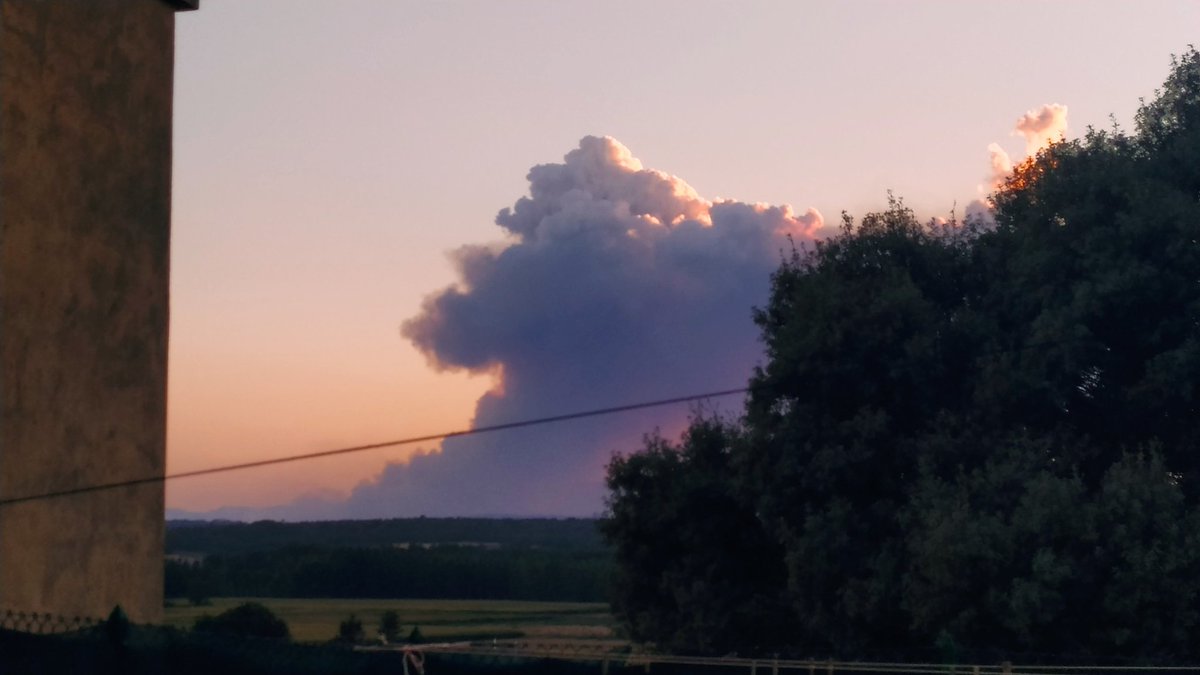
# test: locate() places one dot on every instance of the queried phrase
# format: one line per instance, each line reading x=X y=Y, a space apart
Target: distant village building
x=85 y=210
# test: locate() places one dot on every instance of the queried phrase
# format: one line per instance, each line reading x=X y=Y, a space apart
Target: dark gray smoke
x=616 y=284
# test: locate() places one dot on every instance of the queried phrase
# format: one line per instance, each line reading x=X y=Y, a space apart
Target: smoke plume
x=1040 y=127
x=617 y=284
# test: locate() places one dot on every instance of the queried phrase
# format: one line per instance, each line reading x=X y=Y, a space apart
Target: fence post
x=974 y=670
x=775 y=665
x=1006 y=667
x=604 y=668
x=753 y=667
x=829 y=667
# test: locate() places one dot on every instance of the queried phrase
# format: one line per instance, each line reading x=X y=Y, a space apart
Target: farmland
x=316 y=620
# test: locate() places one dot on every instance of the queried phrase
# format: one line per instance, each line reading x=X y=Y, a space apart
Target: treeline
x=444 y=572
x=965 y=439
x=223 y=537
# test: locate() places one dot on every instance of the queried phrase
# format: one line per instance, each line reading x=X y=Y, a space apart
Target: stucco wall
x=85 y=176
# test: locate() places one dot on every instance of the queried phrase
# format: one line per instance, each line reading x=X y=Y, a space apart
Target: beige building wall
x=85 y=204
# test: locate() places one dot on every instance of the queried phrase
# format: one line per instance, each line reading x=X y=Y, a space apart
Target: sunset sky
x=329 y=156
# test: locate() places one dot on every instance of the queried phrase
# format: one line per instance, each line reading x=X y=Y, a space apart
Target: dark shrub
x=246 y=620
x=389 y=625
x=351 y=631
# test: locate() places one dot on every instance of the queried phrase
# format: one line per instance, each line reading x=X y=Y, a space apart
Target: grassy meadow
x=316 y=620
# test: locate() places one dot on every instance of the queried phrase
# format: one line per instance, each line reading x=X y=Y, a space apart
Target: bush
x=351 y=631
x=389 y=625
x=246 y=620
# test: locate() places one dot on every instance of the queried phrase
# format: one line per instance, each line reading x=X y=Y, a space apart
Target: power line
x=597 y=412
x=450 y=434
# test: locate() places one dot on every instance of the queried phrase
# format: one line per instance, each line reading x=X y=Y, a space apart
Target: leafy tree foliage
x=964 y=437
x=389 y=625
x=865 y=337
x=350 y=631
x=249 y=619
x=697 y=571
x=466 y=572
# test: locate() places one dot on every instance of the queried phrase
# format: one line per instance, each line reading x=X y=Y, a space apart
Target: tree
x=350 y=631
x=696 y=570
x=117 y=627
x=389 y=625
x=868 y=339
x=998 y=555
x=249 y=619
x=1095 y=246
x=964 y=438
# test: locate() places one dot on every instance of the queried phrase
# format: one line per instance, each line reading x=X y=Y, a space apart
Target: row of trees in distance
x=450 y=572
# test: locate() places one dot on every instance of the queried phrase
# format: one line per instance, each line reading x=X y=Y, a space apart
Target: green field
x=316 y=620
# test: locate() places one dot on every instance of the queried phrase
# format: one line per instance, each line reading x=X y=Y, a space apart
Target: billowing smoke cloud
x=1001 y=166
x=618 y=284
x=1040 y=127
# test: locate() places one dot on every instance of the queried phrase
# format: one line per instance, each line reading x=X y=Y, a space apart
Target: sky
x=344 y=272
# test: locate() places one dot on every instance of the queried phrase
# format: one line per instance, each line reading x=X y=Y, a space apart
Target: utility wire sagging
x=533 y=422
x=597 y=412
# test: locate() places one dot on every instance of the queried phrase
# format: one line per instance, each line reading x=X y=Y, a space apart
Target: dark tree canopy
x=970 y=437
x=250 y=619
x=696 y=570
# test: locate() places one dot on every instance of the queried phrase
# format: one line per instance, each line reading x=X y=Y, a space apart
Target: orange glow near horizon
x=223 y=415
